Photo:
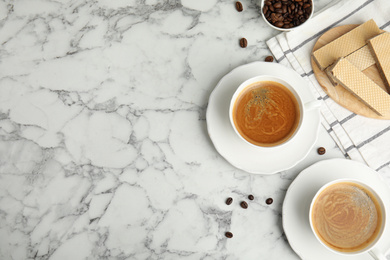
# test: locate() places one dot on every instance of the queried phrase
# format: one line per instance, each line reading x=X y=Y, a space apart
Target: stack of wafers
x=345 y=58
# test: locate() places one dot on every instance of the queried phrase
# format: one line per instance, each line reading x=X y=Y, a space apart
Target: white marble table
x=104 y=152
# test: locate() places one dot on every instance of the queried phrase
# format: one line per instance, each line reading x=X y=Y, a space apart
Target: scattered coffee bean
x=287 y=13
x=243 y=43
x=244 y=205
x=269 y=59
x=251 y=197
x=228 y=234
x=269 y=201
x=321 y=150
x=239 y=6
x=229 y=201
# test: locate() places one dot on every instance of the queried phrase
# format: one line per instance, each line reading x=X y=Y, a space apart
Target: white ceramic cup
x=371 y=248
x=302 y=106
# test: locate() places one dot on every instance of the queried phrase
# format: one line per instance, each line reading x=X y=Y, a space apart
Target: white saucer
x=296 y=205
x=241 y=154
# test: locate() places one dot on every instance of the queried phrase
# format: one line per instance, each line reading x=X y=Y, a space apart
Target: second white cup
x=348 y=218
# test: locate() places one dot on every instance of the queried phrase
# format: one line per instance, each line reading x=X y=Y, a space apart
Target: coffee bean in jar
x=287 y=14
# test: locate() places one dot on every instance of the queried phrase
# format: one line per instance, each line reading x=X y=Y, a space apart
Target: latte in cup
x=266 y=113
x=346 y=217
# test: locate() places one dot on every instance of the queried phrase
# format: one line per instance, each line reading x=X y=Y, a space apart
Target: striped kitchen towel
x=359 y=138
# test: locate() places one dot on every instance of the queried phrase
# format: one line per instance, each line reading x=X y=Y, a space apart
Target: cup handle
x=377 y=254
x=312 y=105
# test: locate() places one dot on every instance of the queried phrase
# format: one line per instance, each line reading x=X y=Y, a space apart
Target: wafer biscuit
x=362 y=59
x=355 y=81
x=328 y=73
x=380 y=48
x=345 y=44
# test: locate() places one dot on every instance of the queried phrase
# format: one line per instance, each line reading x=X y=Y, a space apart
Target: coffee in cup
x=347 y=217
x=266 y=111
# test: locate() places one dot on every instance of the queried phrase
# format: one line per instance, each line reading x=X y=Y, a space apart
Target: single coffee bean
x=244 y=205
x=251 y=197
x=278 y=5
x=239 y=6
x=274 y=17
x=269 y=201
x=243 y=43
x=279 y=11
x=229 y=201
x=279 y=24
x=228 y=234
x=269 y=59
x=321 y=150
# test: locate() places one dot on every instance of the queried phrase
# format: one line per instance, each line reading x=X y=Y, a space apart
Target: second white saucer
x=296 y=205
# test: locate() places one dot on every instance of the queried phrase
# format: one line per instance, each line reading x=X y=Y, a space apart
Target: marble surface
x=104 y=152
